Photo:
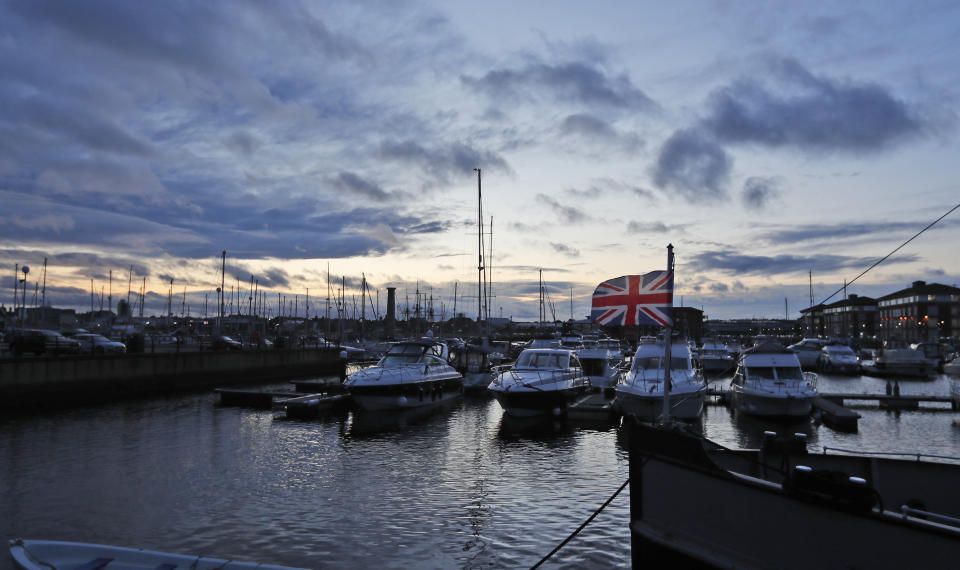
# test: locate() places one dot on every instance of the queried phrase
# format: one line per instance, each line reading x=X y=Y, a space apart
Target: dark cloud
x=247 y=231
x=635 y=227
x=565 y=249
x=522 y=227
x=241 y=142
x=693 y=165
x=567 y=214
x=574 y=82
x=796 y=108
x=596 y=130
x=740 y=264
x=849 y=230
x=455 y=161
x=354 y=184
x=588 y=125
x=758 y=192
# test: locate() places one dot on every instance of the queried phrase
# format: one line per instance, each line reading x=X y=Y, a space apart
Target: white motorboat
x=838 y=359
x=808 y=352
x=601 y=365
x=476 y=364
x=47 y=554
x=769 y=382
x=897 y=359
x=640 y=392
x=411 y=374
x=543 y=381
x=715 y=358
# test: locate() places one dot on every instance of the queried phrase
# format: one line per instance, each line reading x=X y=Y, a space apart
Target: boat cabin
x=414 y=352
x=536 y=359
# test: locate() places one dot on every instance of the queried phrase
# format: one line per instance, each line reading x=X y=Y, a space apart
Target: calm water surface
x=463 y=487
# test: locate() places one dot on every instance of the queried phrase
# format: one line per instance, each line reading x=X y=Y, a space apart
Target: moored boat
x=897 y=359
x=476 y=364
x=808 y=351
x=411 y=374
x=761 y=508
x=46 y=554
x=640 y=392
x=715 y=358
x=769 y=382
x=543 y=381
x=601 y=365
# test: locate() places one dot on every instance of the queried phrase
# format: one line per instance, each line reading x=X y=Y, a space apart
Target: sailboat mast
x=43 y=296
x=543 y=312
x=479 y=249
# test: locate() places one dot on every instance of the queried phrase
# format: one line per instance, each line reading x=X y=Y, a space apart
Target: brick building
x=921 y=312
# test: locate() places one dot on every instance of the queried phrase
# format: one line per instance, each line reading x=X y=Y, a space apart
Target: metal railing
x=917 y=455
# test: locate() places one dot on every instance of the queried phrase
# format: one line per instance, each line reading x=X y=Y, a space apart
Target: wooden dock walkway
x=888 y=401
x=831 y=409
x=312 y=398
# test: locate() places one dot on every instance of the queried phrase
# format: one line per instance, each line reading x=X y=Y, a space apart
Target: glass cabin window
x=542 y=360
x=759 y=372
x=655 y=362
x=789 y=373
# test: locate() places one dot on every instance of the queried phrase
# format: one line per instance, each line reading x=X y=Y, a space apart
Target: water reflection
x=364 y=423
x=465 y=486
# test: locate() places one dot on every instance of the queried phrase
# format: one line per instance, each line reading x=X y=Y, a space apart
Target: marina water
x=463 y=487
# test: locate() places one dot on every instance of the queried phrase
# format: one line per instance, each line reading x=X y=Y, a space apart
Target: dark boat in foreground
x=782 y=507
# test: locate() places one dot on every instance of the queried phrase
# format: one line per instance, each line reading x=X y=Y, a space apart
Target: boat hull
x=683 y=503
x=528 y=403
x=46 y=554
x=477 y=381
x=683 y=406
x=770 y=405
x=909 y=369
x=407 y=395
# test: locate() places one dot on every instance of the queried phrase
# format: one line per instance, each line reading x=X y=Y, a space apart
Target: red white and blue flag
x=634 y=300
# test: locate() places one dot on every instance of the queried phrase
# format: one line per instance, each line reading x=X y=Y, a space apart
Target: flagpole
x=668 y=349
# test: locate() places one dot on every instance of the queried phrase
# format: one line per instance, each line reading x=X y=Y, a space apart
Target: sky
x=780 y=147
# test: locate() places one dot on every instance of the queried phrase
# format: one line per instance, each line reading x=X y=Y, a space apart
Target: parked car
x=56 y=343
x=808 y=351
x=838 y=359
x=91 y=343
x=24 y=341
x=224 y=342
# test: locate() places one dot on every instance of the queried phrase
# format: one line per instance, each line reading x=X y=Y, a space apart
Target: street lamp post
x=23 y=301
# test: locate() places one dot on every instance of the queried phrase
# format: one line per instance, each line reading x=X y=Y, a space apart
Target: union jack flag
x=634 y=300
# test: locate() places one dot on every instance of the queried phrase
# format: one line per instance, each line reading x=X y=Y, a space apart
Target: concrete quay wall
x=32 y=382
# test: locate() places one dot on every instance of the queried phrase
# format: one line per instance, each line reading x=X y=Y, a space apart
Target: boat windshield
x=542 y=360
x=394 y=360
x=789 y=373
x=651 y=362
x=402 y=355
x=760 y=373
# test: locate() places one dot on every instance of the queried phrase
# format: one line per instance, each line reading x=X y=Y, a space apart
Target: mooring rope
x=884 y=258
x=582 y=526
